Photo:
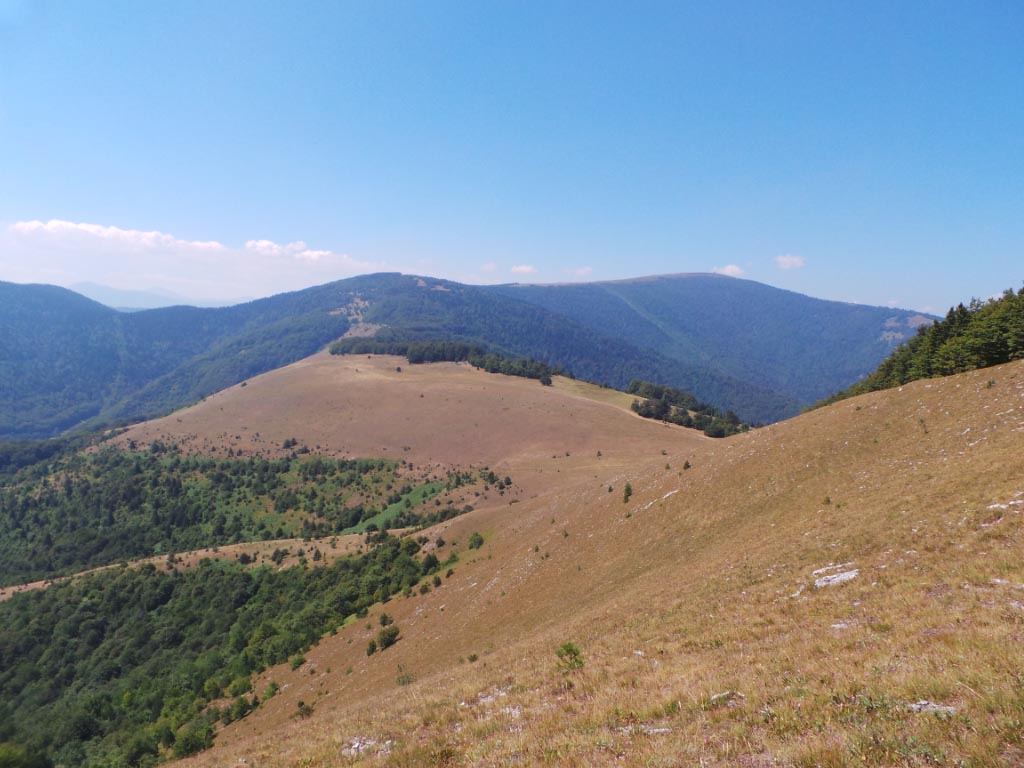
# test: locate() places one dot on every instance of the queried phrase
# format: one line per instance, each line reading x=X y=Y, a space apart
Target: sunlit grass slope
x=785 y=600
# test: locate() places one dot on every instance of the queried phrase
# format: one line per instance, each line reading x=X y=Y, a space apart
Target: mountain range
x=354 y=559
x=68 y=362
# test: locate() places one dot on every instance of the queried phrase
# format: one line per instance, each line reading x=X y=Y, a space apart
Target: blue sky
x=869 y=152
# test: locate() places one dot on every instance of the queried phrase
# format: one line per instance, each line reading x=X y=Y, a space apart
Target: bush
x=387 y=637
x=476 y=540
x=569 y=657
x=197 y=737
x=239 y=686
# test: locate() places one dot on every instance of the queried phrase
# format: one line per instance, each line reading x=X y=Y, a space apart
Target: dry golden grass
x=694 y=605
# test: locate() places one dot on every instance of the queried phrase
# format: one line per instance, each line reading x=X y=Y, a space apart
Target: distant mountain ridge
x=67 y=361
x=787 y=342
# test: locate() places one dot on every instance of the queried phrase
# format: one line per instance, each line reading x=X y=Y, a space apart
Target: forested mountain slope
x=763 y=353
x=798 y=346
x=66 y=360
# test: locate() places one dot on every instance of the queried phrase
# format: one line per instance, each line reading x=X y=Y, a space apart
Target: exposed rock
x=726 y=698
x=836 y=578
x=931 y=708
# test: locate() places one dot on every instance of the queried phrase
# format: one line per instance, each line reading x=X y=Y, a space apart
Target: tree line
x=682 y=408
x=979 y=335
x=450 y=351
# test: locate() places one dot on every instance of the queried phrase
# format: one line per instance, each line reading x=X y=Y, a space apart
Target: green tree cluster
x=982 y=334
x=81 y=510
x=682 y=408
x=449 y=351
x=121 y=667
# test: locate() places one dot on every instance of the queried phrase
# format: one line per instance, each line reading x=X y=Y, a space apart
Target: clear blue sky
x=227 y=149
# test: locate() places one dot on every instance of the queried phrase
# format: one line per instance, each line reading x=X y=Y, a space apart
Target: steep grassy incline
x=841 y=589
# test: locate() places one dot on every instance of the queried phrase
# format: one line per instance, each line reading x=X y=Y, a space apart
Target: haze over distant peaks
x=127 y=299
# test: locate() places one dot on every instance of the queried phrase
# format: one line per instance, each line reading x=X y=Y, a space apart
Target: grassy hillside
x=696 y=607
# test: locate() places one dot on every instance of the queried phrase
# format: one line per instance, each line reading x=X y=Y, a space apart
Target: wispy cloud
x=297 y=250
x=580 y=271
x=489 y=267
x=56 y=229
x=732 y=270
x=66 y=252
x=523 y=269
x=790 y=261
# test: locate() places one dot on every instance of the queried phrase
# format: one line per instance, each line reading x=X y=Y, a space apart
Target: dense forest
x=125 y=667
x=799 y=347
x=682 y=408
x=451 y=351
x=980 y=335
x=81 y=510
x=67 y=361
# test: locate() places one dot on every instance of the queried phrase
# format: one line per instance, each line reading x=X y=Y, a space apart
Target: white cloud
x=580 y=271
x=65 y=252
x=270 y=248
x=489 y=267
x=297 y=250
x=523 y=269
x=790 y=261
x=732 y=270
x=55 y=229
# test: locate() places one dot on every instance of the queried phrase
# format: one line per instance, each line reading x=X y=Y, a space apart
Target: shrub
x=476 y=540
x=569 y=657
x=197 y=737
x=404 y=677
x=387 y=637
x=239 y=686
